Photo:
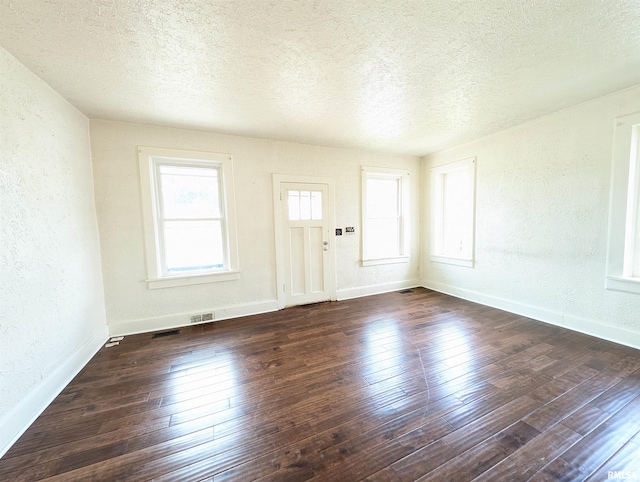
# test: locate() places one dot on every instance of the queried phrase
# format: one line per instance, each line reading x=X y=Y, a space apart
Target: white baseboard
x=565 y=320
x=144 y=325
x=349 y=293
x=19 y=418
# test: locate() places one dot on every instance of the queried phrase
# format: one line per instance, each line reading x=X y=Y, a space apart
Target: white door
x=306 y=242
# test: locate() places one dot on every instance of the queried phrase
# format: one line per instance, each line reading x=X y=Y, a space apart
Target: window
x=623 y=264
x=385 y=202
x=452 y=213
x=305 y=205
x=189 y=217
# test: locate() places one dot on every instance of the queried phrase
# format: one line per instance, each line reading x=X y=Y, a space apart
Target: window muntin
x=189 y=216
x=452 y=212
x=623 y=264
x=384 y=205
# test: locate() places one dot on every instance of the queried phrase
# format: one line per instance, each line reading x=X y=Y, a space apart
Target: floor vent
x=165 y=333
x=404 y=292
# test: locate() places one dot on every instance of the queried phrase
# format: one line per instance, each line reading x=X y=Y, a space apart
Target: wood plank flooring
x=394 y=387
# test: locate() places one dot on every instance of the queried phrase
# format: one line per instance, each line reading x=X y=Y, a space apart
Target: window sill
x=628 y=285
x=467 y=263
x=153 y=284
x=374 y=262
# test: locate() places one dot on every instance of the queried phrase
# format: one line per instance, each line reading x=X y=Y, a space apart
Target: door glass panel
x=316 y=204
x=294 y=205
x=305 y=205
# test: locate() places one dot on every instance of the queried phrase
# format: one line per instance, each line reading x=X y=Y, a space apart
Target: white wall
x=52 y=316
x=542 y=213
x=132 y=307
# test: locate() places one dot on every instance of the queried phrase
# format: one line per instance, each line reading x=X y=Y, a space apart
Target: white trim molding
x=177 y=320
x=623 y=206
x=439 y=249
x=151 y=160
x=401 y=178
x=375 y=262
x=153 y=284
x=467 y=263
x=571 y=322
x=19 y=419
x=370 y=290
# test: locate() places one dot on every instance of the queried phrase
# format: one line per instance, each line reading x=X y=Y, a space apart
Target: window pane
x=382 y=198
x=635 y=268
x=189 y=192
x=457 y=222
x=452 y=211
x=294 y=205
x=193 y=245
x=383 y=238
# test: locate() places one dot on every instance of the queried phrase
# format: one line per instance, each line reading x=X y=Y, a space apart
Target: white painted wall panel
x=114 y=147
x=542 y=214
x=51 y=293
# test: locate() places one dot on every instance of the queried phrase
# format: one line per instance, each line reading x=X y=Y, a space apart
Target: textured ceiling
x=400 y=76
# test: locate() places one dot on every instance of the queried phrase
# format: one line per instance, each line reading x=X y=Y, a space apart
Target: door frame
x=330 y=266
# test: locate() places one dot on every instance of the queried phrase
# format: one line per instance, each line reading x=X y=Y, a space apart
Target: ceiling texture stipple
x=409 y=77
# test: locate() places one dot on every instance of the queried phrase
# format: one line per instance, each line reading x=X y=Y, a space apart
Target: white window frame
x=402 y=177
x=437 y=212
x=623 y=203
x=149 y=158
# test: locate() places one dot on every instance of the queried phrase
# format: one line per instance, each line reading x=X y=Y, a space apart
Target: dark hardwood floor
x=400 y=386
